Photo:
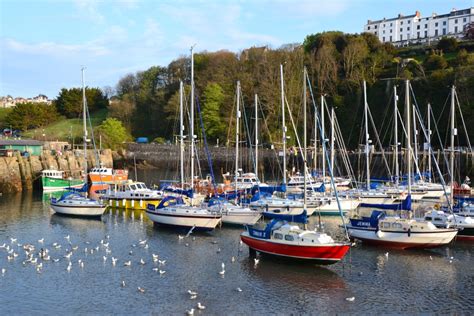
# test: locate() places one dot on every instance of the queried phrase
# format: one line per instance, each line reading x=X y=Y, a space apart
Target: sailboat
x=172 y=210
x=282 y=239
x=77 y=203
x=400 y=232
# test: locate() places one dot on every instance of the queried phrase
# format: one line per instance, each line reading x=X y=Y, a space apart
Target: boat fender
x=409 y=232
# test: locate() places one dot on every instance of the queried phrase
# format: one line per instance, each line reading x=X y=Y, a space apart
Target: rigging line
x=443 y=183
x=462 y=119
x=345 y=155
x=323 y=143
x=379 y=143
x=439 y=139
x=406 y=136
x=248 y=136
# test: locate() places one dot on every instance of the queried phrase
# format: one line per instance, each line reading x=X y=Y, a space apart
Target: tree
x=25 y=116
x=213 y=98
x=122 y=109
x=463 y=58
x=435 y=62
x=448 y=44
x=69 y=101
x=353 y=55
x=113 y=133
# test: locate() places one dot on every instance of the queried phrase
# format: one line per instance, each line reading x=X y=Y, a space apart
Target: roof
x=20 y=142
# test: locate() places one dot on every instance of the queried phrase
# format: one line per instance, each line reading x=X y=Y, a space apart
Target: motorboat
x=234 y=214
x=75 y=204
x=442 y=219
x=132 y=195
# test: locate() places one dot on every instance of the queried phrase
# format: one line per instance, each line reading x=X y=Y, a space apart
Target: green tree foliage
x=448 y=44
x=25 y=116
x=435 y=62
x=69 y=101
x=113 y=133
x=213 y=100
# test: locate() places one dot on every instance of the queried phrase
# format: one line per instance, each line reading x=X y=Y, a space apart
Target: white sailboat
x=75 y=203
x=172 y=210
x=397 y=232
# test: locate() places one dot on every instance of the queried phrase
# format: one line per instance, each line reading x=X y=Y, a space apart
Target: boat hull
x=53 y=184
x=83 y=211
x=240 y=218
x=170 y=219
x=132 y=204
x=323 y=254
x=402 y=240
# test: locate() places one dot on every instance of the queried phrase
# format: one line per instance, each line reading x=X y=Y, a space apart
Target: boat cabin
x=55 y=174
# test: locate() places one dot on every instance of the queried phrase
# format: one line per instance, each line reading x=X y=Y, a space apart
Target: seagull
x=105 y=259
x=350 y=299
x=3 y=246
x=180 y=237
x=192 y=293
x=233 y=259
x=256 y=261
x=162 y=262
x=82 y=264
x=13 y=240
x=69 y=267
x=190 y=231
x=142 y=262
x=114 y=261
x=142 y=242
x=193 y=297
x=386 y=255
x=141 y=290
x=68 y=238
x=155 y=269
x=239 y=289
x=128 y=263
x=190 y=312
x=106 y=245
x=218 y=250
x=199 y=306
x=55 y=260
x=146 y=246
x=155 y=257
x=107 y=237
x=162 y=272
x=130 y=253
x=3 y=271
x=431 y=258
x=41 y=240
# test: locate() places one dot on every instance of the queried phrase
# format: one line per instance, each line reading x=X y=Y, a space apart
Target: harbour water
x=403 y=282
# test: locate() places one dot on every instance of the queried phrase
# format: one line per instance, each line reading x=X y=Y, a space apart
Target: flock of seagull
x=38 y=255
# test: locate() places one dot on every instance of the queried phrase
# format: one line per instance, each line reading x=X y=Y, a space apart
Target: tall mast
x=395 y=116
x=408 y=128
x=323 y=137
x=283 y=123
x=332 y=140
x=453 y=132
x=84 y=119
x=305 y=171
x=415 y=138
x=181 y=136
x=367 y=145
x=237 y=117
x=192 y=122
x=256 y=136
x=429 y=142
x=315 y=162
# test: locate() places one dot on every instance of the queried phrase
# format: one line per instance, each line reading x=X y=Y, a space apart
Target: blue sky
x=44 y=43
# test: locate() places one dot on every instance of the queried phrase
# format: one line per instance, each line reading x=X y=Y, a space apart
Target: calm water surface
x=407 y=282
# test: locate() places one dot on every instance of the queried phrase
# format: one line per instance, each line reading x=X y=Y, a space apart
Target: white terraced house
x=411 y=29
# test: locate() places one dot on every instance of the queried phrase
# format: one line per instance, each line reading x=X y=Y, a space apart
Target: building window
x=384 y=25
x=418 y=34
x=409 y=21
x=455 y=29
x=368 y=27
x=391 y=24
x=408 y=28
x=436 y=32
x=375 y=32
x=444 y=31
x=418 y=27
x=390 y=38
x=401 y=37
x=391 y=30
x=375 y=27
x=444 y=22
x=426 y=33
x=436 y=24
x=383 y=39
x=464 y=20
x=455 y=21
x=426 y=26
x=401 y=23
x=383 y=32
x=401 y=29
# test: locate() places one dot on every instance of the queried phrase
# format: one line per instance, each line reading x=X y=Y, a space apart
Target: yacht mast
x=429 y=142
x=395 y=116
x=284 y=125
x=332 y=140
x=192 y=122
x=237 y=117
x=84 y=119
x=323 y=142
x=256 y=136
x=304 y=138
x=367 y=145
x=415 y=138
x=181 y=131
x=453 y=133
x=408 y=128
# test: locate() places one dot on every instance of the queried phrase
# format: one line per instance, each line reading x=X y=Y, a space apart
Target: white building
x=9 y=101
x=414 y=28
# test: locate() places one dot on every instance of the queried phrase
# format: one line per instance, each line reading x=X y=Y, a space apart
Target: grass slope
x=61 y=130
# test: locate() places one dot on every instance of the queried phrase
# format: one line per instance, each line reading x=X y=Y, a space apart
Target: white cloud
x=88 y=9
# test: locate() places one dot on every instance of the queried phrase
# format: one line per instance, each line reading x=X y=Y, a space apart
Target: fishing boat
x=76 y=202
x=132 y=195
x=55 y=180
x=280 y=238
x=172 y=211
x=107 y=175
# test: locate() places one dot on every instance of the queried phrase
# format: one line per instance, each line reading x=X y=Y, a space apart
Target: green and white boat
x=54 y=180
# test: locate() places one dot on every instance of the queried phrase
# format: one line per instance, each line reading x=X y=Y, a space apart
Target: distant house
x=33 y=147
